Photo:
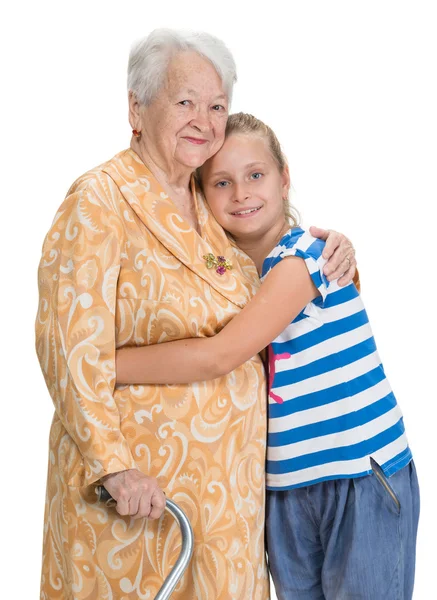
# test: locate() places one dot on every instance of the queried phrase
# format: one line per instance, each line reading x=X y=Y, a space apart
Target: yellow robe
x=121 y=267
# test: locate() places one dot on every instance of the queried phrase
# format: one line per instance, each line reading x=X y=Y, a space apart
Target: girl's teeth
x=246 y=212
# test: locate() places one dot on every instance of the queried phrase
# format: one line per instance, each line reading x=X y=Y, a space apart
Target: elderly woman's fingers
x=144 y=506
x=133 y=492
x=158 y=505
x=341 y=258
x=337 y=250
x=348 y=275
x=345 y=271
x=137 y=495
x=333 y=243
x=320 y=233
x=134 y=503
x=123 y=503
x=343 y=249
x=334 y=263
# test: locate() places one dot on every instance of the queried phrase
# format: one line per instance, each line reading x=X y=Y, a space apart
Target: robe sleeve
x=357 y=281
x=75 y=331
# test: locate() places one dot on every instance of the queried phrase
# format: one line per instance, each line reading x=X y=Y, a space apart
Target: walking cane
x=186 y=552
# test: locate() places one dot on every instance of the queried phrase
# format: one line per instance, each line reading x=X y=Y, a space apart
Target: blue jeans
x=345 y=539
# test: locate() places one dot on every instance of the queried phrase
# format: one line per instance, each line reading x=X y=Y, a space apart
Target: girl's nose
x=241 y=193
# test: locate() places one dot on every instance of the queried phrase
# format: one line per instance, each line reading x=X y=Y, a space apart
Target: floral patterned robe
x=121 y=267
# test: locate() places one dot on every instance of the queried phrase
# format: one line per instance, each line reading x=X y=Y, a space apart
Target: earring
x=136 y=133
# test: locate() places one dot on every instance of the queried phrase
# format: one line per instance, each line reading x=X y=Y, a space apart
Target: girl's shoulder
x=296 y=242
x=302 y=242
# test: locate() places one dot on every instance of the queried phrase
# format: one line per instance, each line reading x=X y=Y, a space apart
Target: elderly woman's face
x=186 y=121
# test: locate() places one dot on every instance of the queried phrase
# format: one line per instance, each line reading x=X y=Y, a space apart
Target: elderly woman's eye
x=218 y=107
x=184 y=102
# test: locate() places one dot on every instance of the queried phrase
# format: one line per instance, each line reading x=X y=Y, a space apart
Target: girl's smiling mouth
x=246 y=212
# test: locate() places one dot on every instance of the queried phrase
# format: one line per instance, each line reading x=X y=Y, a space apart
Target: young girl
x=343 y=499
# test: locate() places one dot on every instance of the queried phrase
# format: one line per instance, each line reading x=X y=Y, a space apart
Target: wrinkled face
x=244 y=187
x=185 y=123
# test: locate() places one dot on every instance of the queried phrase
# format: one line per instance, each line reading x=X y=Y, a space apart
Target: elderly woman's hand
x=340 y=254
x=136 y=494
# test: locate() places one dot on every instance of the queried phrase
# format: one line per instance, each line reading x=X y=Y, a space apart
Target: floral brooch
x=219 y=263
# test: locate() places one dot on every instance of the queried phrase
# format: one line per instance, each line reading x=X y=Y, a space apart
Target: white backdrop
x=351 y=89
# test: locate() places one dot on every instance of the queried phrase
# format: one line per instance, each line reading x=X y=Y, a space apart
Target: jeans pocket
x=379 y=474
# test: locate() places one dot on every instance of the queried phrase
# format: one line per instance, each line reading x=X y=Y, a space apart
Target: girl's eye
x=222 y=184
x=256 y=175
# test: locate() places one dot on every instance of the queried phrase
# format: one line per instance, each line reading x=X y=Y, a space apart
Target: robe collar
x=161 y=217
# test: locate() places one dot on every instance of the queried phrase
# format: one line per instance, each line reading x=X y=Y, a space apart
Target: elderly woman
x=123 y=265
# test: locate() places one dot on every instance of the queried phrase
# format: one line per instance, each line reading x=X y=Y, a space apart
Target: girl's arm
x=285 y=292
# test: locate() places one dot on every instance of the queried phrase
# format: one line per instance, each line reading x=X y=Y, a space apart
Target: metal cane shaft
x=187 y=546
x=185 y=554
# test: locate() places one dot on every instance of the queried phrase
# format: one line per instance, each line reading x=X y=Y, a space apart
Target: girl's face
x=244 y=187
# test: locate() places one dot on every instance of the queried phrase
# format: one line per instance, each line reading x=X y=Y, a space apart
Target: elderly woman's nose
x=201 y=120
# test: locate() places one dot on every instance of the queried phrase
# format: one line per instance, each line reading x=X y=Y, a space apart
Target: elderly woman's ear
x=134 y=111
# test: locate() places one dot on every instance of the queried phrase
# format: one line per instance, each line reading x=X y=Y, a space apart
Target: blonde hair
x=245 y=123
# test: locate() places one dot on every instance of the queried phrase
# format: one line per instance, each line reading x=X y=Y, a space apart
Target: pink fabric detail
x=272 y=360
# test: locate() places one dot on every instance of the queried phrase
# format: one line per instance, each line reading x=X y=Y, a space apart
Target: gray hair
x=150 y=56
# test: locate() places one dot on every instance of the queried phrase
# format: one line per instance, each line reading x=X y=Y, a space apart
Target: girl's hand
x=340 y=254
x=136 y=494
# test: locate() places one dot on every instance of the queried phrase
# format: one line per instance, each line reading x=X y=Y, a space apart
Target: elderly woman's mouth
x=196 y=141
x=247 y=212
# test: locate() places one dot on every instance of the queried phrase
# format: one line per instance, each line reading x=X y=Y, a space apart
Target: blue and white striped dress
x=331 y=407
